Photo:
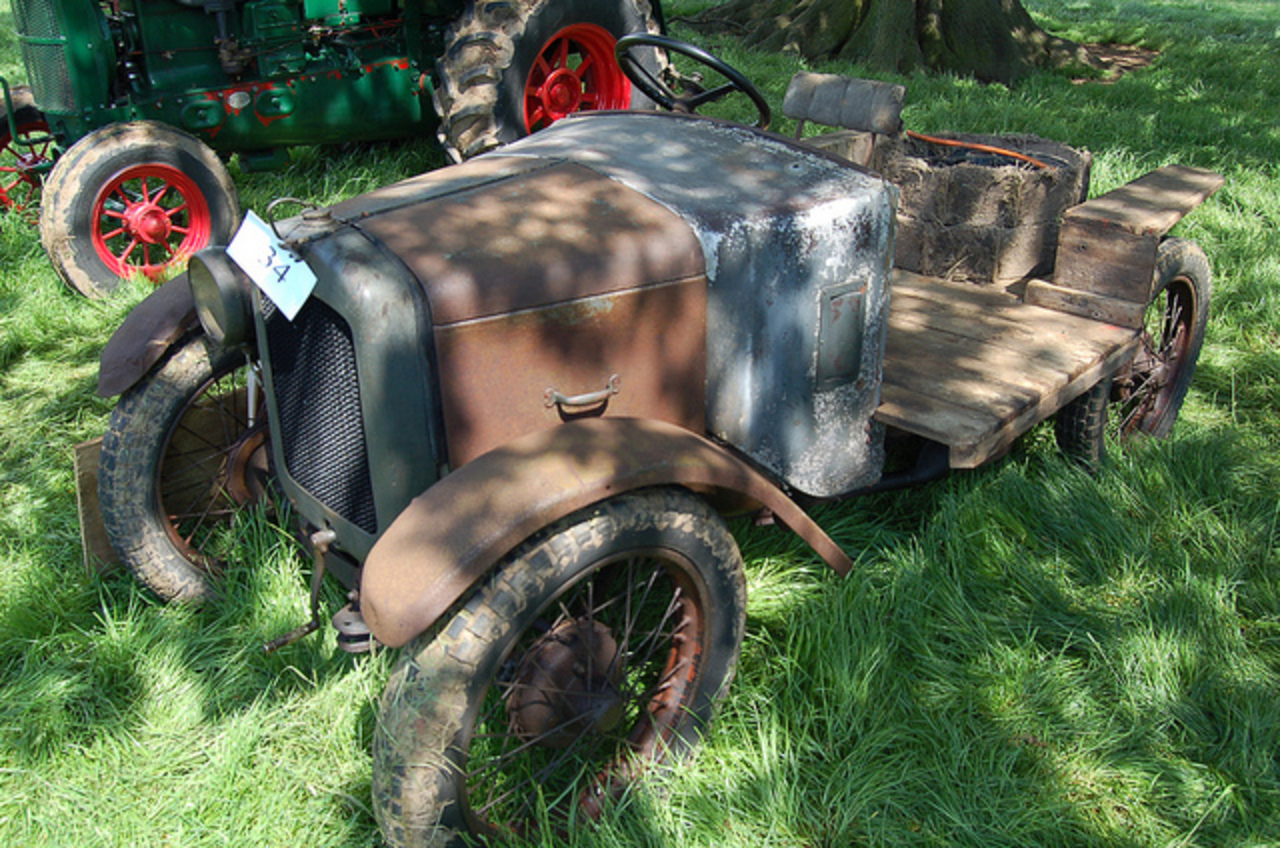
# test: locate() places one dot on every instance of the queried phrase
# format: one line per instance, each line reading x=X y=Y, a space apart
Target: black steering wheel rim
x=660 y=93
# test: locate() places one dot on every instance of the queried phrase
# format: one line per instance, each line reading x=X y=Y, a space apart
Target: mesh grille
x=46 y=63
x=317 y=391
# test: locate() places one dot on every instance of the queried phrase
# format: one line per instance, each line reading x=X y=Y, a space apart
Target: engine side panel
x=558 y=282
x=798 y=248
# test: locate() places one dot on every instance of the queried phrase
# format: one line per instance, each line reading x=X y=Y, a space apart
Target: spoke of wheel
x=652 y=638
x=125 y=255
x=624 y=645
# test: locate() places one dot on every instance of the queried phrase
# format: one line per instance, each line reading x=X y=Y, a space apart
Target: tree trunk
x=993 y=40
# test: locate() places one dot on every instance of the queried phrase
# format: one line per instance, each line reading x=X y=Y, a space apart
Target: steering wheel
x=659 y=92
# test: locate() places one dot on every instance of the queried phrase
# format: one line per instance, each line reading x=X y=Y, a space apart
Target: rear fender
x=149 y=330
x=454 y=532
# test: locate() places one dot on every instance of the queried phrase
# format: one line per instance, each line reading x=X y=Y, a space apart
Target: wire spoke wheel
x=594 y=653
x=214 y=462
x=585 y=693
x=1145 y=397
x=1154 y=382
x=186 y=451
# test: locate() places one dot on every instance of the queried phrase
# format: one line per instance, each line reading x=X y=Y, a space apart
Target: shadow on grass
x=1051 y=659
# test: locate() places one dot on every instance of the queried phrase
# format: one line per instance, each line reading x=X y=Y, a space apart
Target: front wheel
x=512 y=68
x=597 y=649
x=184 y=452
x=140 y=197
x=1145 y=397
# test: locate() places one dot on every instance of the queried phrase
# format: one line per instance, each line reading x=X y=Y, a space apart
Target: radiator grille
x=37 y=21
x=313 y=365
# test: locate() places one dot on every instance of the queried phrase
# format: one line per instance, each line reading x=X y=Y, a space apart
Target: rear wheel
x=511 y=68
x=22 y=167
x=1145 y=397
x=132 y=198
x=597 y=649
x=185 y=451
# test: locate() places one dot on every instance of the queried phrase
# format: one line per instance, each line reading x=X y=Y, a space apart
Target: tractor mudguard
x=454 y=532
x=162 y=318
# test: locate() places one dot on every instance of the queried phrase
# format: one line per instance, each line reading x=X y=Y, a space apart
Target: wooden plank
x=1031 y=361
x=1108 y=245
x=1099 y=307
x=1099 y=258
x=97 y=551
x=991 y=307
x=932 y=418
x=1154 y=202
x=973 y=367
x=977 y=435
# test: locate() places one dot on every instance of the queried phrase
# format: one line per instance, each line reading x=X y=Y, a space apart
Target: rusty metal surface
x=450 y=535
x=144 y=336
x=790 y=237
x=495 y=373
x=559 y=233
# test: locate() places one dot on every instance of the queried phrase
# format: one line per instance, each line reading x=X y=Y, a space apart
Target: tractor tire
x=595 y=651
x=19 y=183
x=180 y=459
x=1145 y=397
x=140 y=197
x=512 y=67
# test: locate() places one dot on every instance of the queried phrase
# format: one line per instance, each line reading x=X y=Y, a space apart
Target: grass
x=1025 y=655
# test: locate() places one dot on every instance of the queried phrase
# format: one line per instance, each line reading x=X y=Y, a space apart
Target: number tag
x=274 y=268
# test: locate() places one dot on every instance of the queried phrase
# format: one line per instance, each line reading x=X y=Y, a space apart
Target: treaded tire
x=1145 y=397
x=95 y=205
x=446 y=692
x=489 y=55
x=20 y=191
x=172 y=445
x=1081 y=426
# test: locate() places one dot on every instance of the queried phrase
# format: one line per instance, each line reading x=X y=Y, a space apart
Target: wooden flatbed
x=973 y=366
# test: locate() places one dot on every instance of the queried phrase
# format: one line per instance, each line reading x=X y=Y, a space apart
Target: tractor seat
x=862 y=109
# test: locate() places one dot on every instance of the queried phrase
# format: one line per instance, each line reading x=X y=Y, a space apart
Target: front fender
x=149 y=330
x=454 y=532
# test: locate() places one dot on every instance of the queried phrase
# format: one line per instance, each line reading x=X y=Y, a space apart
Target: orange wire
x=985 y=148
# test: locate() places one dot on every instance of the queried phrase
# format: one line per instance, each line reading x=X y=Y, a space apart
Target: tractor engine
x=241 y=76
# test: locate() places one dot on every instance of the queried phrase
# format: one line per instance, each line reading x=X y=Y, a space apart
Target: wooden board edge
x=96 y=550
x=1099 y=307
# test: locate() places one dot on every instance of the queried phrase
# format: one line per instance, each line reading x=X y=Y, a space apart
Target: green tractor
x=135 y=104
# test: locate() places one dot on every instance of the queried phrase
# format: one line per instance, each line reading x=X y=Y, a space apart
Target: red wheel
x=136 y=197
x=147 y=218
x=508 y=69
x=22 y=167
x=574 y=71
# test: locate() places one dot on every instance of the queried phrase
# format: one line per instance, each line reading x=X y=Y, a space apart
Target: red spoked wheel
x=148 y=218
x=22 y=166
x=574 y=71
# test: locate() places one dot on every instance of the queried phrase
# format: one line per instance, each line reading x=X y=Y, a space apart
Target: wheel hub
x=247 y=469
x=566 y=686
x=148 y=222
x=561 y=94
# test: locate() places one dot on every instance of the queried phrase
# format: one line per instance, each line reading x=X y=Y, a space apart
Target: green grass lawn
x=1024 y=655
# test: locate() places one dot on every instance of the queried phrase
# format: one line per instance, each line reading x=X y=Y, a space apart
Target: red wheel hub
x=149 y=218
x=574 y=71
